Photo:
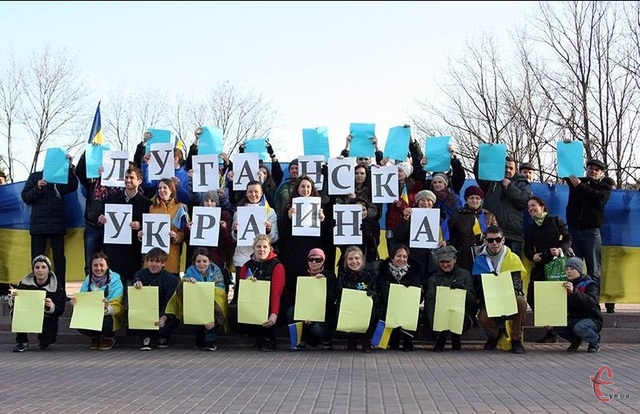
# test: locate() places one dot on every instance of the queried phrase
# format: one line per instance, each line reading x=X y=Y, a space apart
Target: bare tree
x=182 y=119
x=11 y=96
x=241 y=115
x=150 y=111
x=119 y=117
x=54 y=97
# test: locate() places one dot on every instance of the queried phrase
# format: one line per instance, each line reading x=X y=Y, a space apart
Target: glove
x=241 y=148
x=269 y=149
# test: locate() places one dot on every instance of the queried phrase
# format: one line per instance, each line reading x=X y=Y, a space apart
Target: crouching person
x=42 y=278
x=154 y=274
x=584 y=319
x=101 y=278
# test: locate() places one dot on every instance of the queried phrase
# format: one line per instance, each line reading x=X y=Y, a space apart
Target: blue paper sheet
x=491 y=162
x=436 y=151
x=397 y=145
x=56 y=166
x=316 y=141
x=362 y=140
x=211 y=141
x=570 y=159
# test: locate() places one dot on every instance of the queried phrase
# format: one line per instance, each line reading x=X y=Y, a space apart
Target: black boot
x=455 y=342
x=610 y=307
x=440 y=342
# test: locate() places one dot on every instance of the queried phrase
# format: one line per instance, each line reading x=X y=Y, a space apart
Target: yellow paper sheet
x=550 y=304
x=198 y=301
x=253 y=301
x=499 y=296
x=88 y=312
x=355 y=311
x=144 y=308
x=311 y=298
x=28 y=311
x=403 y=307
x=449 y=311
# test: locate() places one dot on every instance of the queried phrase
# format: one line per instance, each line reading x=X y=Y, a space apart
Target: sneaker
x=163 y=342
x=299 y=347
x=593 y=348
x=210 y=346
x=548 y=338
x=20 y=347
x=327 y=346
x=574 y=346
x=95 y=343
x=517 y=348
x=106 y=344
x=491 y=344
x=145 y=345
x=43 y=347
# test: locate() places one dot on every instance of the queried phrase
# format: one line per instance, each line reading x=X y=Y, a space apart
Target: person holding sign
x=48 y=221
x=103 y=279
x=154 y=274
x=313 y=332
x=584 y=321
x=496 y=258
x=450 y=275
x=467 y=225
x=167 y=203
x=42 y=278
x=204 y=270
x=399 y=268
x=264 y=265
x=544 y=241
x=127 y=258
x=353 y=275
x=402 y=235
x=409 y=184
x=507 y=199
x=295 y=246
x=95 y=196
x=585 y=215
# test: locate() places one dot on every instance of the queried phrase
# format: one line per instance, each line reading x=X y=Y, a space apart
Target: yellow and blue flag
x=405 y=195
x=295 y=334
x=96 y=136
x=381 y=335
x=181 y=217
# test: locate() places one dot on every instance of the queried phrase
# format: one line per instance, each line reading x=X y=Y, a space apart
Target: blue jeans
x=93 y=243
x=587 y=244
x=580 y=329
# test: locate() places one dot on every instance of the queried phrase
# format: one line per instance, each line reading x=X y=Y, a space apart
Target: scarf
x=398 y=272
x=99 y=282
x=539 y=219
x=213 y=275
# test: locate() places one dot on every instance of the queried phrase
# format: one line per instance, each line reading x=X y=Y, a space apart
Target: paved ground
x=73 y=379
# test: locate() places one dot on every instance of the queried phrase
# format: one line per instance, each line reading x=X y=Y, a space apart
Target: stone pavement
x=73 y=379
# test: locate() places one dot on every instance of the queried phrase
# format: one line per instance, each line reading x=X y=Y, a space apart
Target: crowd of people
x=487 y=229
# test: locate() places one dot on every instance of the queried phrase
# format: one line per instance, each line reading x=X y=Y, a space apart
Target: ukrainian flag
x=96 y=136
x=295 y=334
x=381 y=335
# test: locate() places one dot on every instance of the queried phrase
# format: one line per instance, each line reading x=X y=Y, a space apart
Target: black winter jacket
x=47 y=204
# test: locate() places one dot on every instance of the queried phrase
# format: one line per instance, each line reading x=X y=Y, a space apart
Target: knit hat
x=443 y=177
x=41 y=258
x=406 y=167
x=445 y=254
x=425 y=194
x=576 y=263
x=211 y=195
x=316 y=252
x=293 y=162
x=473 y=190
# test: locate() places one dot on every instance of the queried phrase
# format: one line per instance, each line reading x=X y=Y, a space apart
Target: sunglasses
x=315 y=259
x=494 y=239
